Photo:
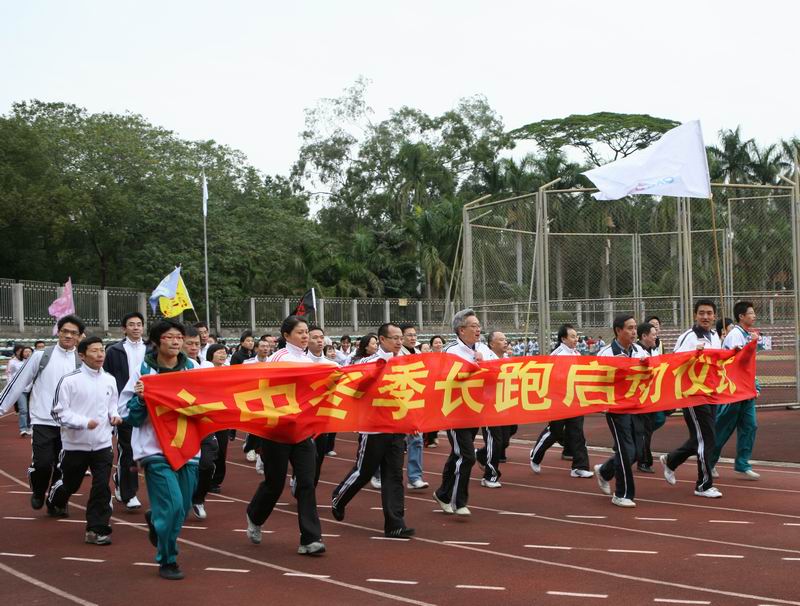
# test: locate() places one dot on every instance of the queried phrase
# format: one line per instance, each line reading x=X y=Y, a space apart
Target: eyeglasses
x=69 y=333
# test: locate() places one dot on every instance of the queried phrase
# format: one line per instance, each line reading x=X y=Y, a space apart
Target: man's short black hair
x=651 y=318
x=162 y=326
x=723 y=323
x=407 y=326
x=707 y=303
x=72 y=319
x=345 y=338
x=191 y=331
x=563 y=330
x=84 y=345
x=38 y=341
x=264 y=337
x=619 y=322
x=313 y=327
x=643 y=329
x=740 y=309
x=129 y=316
x=200 y=325
x=245 y=334
x=383 y=329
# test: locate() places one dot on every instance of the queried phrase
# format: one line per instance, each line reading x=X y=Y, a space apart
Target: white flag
x=675 y=165
x=205 y=196
x=166 y=288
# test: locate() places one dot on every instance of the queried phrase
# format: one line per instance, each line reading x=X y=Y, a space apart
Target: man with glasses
x=44 y=369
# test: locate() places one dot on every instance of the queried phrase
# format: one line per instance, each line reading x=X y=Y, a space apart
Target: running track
x=547 y=539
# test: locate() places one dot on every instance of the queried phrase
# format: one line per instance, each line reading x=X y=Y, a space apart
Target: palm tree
x=768 y=163
x=733 y=156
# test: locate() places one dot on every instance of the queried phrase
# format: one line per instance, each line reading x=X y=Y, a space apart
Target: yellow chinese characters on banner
x=426 y=392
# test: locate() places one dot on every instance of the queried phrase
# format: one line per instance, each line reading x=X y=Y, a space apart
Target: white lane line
x=307 y=575
x=376 y=508
x=548 y=547
x=19 y=492
x=129 y=523
x=330 y=535
x=464 y=543
x=72 y=521
x=42 y=585
x=516 y=513
x=324 y=506
x=219 y=500
x=92 y=560
x=578 y=595
x=145 y=564
x=393 y=581
x=489 y=587
x=195 y=527
x=791 y=559
x=644 y=551
x=719 y=555
x=671 y=601
x=263 y=531
x=16 y=555
x=729 y=522
x=17 y=518
x=212 y=569
x=657 y=519
x=390 y=539
x=791 y=524
x=587 y=517
x=285 y=504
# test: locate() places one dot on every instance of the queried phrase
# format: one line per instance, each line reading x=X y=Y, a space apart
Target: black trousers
x=489 y=455
x=455 y=475
x=331 y=441
x=702 y=441
x=220 y=466
x=276 y=459
x=648 y=427
x=508 y=431
x=430 y=437
x=126 y=476
x=625 y=431
x=46 y=447
x=384 y=450
x=568 y=432
x=209 y=450
x=73 y=466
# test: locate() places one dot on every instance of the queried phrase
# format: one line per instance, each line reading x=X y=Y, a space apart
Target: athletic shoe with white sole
x=748 y=474
x=581 y=473
x=259 y=465
x=463 y=511
x=622 y=501
x=446 y=507
x=251 y=456
x=490 y=484
x=711 y=493
x=199 y=511
x=133 y=503
x=714 y=472
x=315 y=548
x=669 y=474
x=330 y=453
x=605 y=487
x=96 y=538
x=293 y=485
x=536 y=467
x=417 y=484
x=376 y=483
x=253 y=531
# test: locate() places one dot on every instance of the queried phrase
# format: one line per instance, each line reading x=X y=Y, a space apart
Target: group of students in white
x=80 y=393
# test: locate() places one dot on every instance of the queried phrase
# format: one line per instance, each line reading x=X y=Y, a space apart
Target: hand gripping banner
x=289 y=402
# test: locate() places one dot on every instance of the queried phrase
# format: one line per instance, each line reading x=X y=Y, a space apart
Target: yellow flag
x=172 y=307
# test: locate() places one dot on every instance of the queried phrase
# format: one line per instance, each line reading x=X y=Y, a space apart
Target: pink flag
x=63 y=306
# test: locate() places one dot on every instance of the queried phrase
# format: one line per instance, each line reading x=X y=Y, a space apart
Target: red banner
x=428 y=392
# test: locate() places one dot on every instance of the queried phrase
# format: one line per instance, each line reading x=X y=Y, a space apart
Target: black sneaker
x=338 y=512
x=37 y=502
x=400 y=533
x=171 y=572
x=216 y=489
x=151 y=530
x=57 y=512
x=645 y=468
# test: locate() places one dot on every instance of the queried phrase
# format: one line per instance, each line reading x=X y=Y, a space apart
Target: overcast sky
x=241 y=73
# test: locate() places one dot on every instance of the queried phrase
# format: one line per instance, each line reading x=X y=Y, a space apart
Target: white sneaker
x=446 y=507
x=749 y=475
x=417 y=484
x=251 y=455
x=376 y=483
x=259 y=465
x=490 y=484
x=463 y=511
x=315 y=548
x=293 y=485
x=581 y=473
x=669 y=475
x=253 y=531
x=330 y=453
x=118 y=494
x=133 y=503
x=604 y=486
x=711 y=493
x=199 y=511
x=536 y=468
x=714 y=472
x=622 y=501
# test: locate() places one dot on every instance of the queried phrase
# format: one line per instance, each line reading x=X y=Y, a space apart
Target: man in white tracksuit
x=85 y=406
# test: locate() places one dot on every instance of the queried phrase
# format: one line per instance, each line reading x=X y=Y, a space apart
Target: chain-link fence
x=534 y=262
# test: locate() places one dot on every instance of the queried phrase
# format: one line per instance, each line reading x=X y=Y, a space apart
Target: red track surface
x=538 y=534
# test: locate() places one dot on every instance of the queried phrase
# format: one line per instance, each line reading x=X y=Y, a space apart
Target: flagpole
x=205 y=248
